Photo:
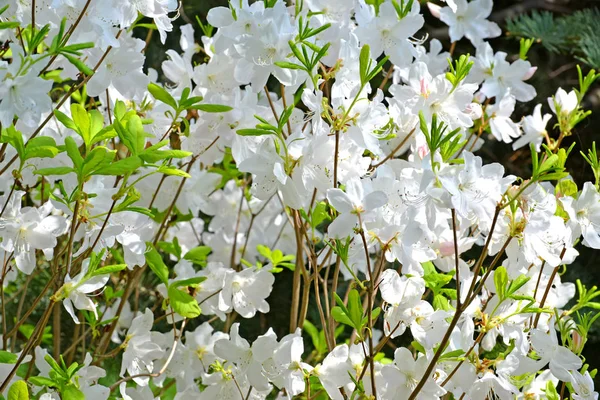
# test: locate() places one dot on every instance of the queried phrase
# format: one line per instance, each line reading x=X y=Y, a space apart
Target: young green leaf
x=212 y=108
x=183 y=304
x=18 y=391
x=156 y=263
x=160 y=94
x=198 y=255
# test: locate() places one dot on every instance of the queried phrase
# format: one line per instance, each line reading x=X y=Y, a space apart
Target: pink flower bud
x=530 y=73
x=434 y=9
x=578 y=341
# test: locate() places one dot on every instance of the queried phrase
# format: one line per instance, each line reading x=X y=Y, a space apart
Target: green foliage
x=402 y=8
x=318 y=337
x=439 y=139
x=61 y=378
x=594 y=161
x=353 y=315
x=506 y=289
x=437 y=282
x=550 y=168
x=577 y=33
x=18 y=391
x=156 y=264
x=198 y=255
x=366 y=68
x=459 y=70
x=37 y=147
x=550 y=391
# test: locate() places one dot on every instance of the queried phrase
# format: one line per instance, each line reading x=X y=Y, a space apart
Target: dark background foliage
x=556 y=68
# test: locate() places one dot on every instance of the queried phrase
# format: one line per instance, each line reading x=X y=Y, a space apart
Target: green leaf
x=501 y=281
x=42 y=381
x=99 y=157
x=441 y=303
x=254 y=132
x=136 y=129
x=41 y=147
x=18 y=391
x=96 y=122
x=189 y=281
x=159 y=93
x=7 y=357
x=76 y=47
x=82 y=121
x=152 y=154
x=314 y=335
x=13 y=137
x=183 y=304
x=289 y=65
x=65 y=120
x=170 y=171
x=80 y=65
x=340 y=316
x=54 y=171
x=319 y=214
x=9 y=24
x=364 y=63
x=103 y=134
x=517 y=284
x=212 y=108
x=452 y=354
x=156 y=263
x=125 y=136
x=141 y=210
x=73 y=152
x=72 y=393
x=198 y=255
x=551 y=393
x=122 y=167
x=109 y=269
x=355 y=310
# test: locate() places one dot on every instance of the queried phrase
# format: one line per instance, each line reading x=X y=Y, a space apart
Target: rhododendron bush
x=328 y=146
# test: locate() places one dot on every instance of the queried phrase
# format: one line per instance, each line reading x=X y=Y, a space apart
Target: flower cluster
x=324 y=145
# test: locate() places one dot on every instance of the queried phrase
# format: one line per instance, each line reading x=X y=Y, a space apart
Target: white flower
x=387 y=33
x=503 y=128
x=352 y=204
x=121 y=69
x=476 y=188
x=140 y=349
x=24 y=95
x=563 y=103
x=335 y=371
x=585 y=211
x=435 y=95
x=156 y=9
x=249 y=359
x=287 y=370
x=402 y=294
x=27 y=229
x=76 y=289
x=499 y=76
x=201 y=343
x=584 y=386
x=534 y=127
x=562 y=360
x=246 y=291
x=137 y=230
x=492 y=385
x=469 y=20
x=402 y=377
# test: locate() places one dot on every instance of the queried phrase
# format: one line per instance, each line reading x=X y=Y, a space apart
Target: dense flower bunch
x=327 y=140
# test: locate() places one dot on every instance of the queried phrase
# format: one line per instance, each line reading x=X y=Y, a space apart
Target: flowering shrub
x=325 y=141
